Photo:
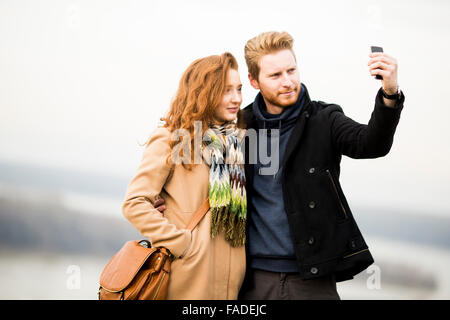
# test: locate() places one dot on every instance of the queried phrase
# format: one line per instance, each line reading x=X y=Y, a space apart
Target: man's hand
x=160 y=204
x=386 y=66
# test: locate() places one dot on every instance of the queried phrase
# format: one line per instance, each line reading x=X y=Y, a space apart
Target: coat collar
x=248 y=120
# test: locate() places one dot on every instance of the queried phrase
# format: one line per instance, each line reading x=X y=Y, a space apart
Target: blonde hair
x=262 y=44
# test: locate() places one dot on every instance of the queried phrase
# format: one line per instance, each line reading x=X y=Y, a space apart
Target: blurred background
x=83 y=83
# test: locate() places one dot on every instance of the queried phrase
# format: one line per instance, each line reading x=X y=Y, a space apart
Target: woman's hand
x=159 y=204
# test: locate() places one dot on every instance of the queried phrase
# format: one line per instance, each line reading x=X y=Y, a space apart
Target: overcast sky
x=83 y=82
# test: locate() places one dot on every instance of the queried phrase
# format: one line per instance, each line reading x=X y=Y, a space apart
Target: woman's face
x=232 y=98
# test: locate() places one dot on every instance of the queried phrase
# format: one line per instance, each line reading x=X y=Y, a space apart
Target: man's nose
x=286 y=80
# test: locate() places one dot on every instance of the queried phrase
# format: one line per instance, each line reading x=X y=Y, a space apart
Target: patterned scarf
x=227 y=195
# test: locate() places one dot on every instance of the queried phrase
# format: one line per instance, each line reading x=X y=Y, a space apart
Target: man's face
x=278 y=80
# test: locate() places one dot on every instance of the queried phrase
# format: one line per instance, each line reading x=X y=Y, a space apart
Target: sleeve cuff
x=398 y=104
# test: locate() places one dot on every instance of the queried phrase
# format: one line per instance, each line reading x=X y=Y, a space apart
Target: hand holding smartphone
x=377 y=49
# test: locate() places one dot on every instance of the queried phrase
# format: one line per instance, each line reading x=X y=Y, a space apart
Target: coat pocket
x=200 y=239
x=343 y=214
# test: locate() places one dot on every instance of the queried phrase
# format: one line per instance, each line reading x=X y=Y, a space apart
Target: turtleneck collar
x=283 y=121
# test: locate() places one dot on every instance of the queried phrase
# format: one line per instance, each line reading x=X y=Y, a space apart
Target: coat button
x=312 y=170
x=314 y=270
x=312 y=204
x=353 y=244
x=311 y=240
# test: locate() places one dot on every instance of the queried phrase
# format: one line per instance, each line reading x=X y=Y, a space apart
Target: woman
x=209 y=262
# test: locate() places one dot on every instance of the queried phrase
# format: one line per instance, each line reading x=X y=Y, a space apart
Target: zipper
x=337 y=194
x=111 y=291
x=159 y=286
x=352 y=254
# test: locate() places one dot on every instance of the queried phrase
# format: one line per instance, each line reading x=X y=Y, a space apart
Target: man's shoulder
x=248 y=111
x=321 y=108
x=248 y=108
x=246 y=117
x=325 y=106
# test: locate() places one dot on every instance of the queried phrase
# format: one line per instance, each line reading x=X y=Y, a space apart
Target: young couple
x=289 y=234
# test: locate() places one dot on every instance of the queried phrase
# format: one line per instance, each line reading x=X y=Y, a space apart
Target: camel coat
x=204 y=268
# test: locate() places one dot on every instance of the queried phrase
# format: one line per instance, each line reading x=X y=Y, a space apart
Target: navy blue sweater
x=269 y=240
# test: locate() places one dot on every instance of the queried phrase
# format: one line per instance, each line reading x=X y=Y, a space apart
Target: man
x=301 y=234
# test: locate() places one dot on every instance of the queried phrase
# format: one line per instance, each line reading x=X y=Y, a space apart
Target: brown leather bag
x=138 y=271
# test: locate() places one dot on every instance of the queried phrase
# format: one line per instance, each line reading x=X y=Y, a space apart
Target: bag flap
x=124 y=265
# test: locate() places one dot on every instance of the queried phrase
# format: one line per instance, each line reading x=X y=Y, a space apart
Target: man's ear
x=254 y=83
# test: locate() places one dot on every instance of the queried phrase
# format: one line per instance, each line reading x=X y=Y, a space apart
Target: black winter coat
x=324 y=232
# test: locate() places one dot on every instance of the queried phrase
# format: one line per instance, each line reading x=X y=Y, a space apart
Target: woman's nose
x=237 y=97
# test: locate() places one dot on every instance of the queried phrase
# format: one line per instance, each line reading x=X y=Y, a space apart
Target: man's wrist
x=391 y=94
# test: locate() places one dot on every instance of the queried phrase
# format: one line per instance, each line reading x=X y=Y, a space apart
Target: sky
x=83 y=83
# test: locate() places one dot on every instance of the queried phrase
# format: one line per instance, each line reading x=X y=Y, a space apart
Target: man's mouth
x=288 y=93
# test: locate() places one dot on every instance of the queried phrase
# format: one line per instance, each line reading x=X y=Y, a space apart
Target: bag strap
x=199 y=214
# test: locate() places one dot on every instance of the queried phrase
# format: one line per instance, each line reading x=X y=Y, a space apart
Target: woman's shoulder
x=161 y=130
x=159 y=134
x=158 y=143
x=157 y=147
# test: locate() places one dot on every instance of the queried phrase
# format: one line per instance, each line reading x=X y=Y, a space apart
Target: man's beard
x=278 y=101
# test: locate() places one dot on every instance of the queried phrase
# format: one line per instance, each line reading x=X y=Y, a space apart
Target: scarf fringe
x=233 y=225
x=227 y=195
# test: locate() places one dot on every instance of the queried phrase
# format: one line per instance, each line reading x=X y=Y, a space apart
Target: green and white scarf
x=227 y=195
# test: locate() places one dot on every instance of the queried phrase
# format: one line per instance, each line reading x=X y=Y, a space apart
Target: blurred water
x=34 y=275
x=38 y=276
x=407 y=271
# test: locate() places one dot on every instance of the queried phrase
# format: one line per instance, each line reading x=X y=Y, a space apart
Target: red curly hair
x=200 y=91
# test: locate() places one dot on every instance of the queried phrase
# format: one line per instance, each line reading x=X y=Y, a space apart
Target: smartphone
x=377 y=49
